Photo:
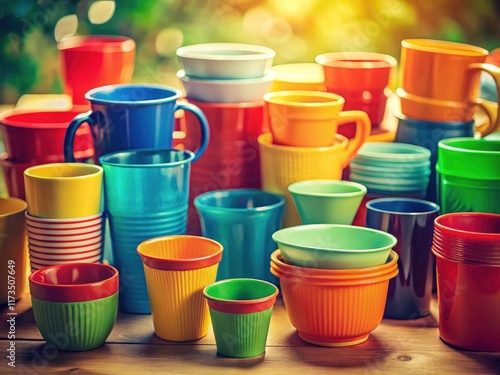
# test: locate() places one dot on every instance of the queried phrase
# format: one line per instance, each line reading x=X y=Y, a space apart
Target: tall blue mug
x=133 y=116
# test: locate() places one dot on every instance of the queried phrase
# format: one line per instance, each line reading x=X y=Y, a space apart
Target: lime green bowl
x=76 y=326
x=334 y=246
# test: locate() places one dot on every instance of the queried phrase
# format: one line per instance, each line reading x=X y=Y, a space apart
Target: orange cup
x=326 y=310
x=310 y=118
x=440 y=81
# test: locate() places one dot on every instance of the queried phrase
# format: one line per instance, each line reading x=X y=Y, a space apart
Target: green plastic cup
x=468 y=175
x=327 y=201
x=76 y=326
x=241 y=310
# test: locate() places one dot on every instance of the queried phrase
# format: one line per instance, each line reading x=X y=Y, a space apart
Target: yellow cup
x=311 y=118
x=63 y=190
x=177 y=269
x=440 y=81
x=283 y=165
x=13 y=249
x=298 y=76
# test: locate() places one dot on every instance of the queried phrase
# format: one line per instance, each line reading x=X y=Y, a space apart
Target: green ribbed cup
x=241 y=335
x=76 y=326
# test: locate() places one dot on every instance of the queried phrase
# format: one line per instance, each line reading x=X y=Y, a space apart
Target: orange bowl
x=329 y=312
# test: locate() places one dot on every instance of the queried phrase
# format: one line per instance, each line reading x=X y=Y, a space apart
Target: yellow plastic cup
x=298 y=76
x=63 y=190
x=13 y=249
x=283 y=165
x=177 y=269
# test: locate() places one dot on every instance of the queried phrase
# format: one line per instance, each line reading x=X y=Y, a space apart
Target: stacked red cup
x=467 y=249
x=227 y=82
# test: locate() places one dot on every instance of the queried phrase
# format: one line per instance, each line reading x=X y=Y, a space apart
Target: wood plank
x=33 y=357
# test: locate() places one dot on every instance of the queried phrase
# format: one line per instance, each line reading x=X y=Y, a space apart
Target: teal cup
x=468 y=175
x=241 y=311
x=327 y=201
x=146 y=196
x=243 y=221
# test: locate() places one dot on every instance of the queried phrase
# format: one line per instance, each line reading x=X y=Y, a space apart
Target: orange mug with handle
x=301 y=118
x=440 y=81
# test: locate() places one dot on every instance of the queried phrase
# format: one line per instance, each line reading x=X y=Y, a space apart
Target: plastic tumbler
x=411 y=221
x=241 y=314
x=177 y=269
x=243 y=221
x=146 y=196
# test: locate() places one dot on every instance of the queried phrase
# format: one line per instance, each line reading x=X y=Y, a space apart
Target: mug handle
x=69 y=137
x=205 y=131
x=363 y=128
x=491 y=109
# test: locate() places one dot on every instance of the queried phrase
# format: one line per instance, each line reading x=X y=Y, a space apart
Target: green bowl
x=76 y=326
x=333 y=246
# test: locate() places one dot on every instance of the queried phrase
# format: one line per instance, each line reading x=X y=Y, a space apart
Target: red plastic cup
x=93 y=61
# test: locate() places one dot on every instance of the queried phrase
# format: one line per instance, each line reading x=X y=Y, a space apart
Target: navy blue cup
x=428 y=134
x=411 y=221
x=129 y=116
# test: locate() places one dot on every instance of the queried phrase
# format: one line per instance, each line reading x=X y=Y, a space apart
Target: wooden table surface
x=395 y=347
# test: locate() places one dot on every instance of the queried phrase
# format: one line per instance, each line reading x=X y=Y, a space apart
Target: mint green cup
x=76 y=326
x=241 y=311
x=327 y=201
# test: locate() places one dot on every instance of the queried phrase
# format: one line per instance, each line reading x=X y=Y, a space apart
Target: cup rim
x=175 y=94
x=447 y=144
x=242 y=306
x=103 y=287
x=274 y=97
x=180 y=264
x=338 y=60
x=198 y=201
x=195 y=51
x=433 y=46
x=422 y=153
x=114 y=43
x=20 y=204
x=266 y=140
x=431 y=123
x=5 y=118
x=93 y=170
x=337 y=275
x=292 y=188
x=266 y=78
x=258 y=104
x=432 y=207
x=104 y=160
x=464 y=234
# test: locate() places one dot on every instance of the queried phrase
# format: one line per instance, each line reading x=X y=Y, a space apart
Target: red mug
x=93 y=61
x=38 y=136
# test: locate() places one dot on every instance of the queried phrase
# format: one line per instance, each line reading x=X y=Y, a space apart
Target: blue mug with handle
x=133 y=116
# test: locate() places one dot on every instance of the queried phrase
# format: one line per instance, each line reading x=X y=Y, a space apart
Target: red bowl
x=38 y=136
x=74 y=282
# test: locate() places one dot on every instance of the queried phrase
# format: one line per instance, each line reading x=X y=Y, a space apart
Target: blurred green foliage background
x=297 y=30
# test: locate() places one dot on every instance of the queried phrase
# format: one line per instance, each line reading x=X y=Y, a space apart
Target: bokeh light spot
x=101 y=12
x=66 y=26
x=167 y=41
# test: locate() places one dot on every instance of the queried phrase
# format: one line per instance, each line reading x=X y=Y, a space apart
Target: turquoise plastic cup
x=146 y=196
x=468 y=175
x=243 y=221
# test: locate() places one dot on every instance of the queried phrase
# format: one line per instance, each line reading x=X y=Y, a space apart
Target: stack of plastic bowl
x=467 y=249
x=390 y=169
x=334 y=280
x=227 y=82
